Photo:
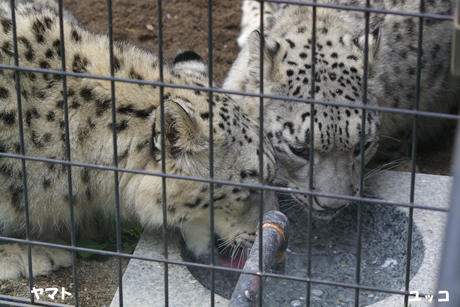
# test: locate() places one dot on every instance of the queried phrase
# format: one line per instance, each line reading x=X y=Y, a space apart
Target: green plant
x=130 y=235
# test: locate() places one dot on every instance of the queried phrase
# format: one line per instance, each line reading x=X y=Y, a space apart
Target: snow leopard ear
x=182 y=134
x=271 y=47
x=190 y=60
x=272 y=50
x=374 y=39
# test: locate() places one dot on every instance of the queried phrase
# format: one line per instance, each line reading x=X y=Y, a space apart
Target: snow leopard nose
x=330 y=204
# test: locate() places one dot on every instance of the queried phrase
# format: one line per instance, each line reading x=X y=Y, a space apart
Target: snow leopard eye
x=357 y=149
x=301 y=152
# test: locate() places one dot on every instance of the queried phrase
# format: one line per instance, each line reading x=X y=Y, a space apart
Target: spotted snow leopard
x=339 y=71
x=186 y=115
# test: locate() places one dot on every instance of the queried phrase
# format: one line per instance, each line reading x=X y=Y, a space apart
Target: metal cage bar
x=311 y=150
x=22 y=147
x=261 y=148
x=115 y=152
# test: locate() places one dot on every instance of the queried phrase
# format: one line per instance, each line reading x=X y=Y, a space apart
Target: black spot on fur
x=129 y=109
x=289 y=125
x=134 y=75
x=46 y=183
x=291 y=43
x=88 y=194
x=121 y=125
x=79 y=64
x=85 y=176
x=349 y=98
x=142 y=145
x=83 y=134
x=195 y=204
x=75 y=104
x=60 y=104
x=8 y=117
x=39 y=30
x=123 y=155
x=205 y=116
x=41 y=94
x=220 y=197
x=116 y=63
x=75 y=36
x=144 y=113
x=31 y=114
x=16 y=197
x=102 y=106
x=29 y=54
x=36 y=140
x=4 y=147
x=44 y=65
x=57 y=46
x=250 y=173
x=47 y=137
x=87 y=94
x=7 y=25
x=352 y=57
x=4 y=93
x=48 y=22
x=6 y=170
x=296 y=92
x=7 y=48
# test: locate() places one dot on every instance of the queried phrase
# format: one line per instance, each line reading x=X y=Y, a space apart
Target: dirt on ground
x=185 y=27
x=184 y=24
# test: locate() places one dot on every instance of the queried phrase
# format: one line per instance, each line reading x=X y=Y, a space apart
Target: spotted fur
x=338 y=77
x=138 y=127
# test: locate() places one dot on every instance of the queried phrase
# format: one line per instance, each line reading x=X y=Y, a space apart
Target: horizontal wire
x=216 y=90
x=204 y=266
x=365 y=9
x=224 y=182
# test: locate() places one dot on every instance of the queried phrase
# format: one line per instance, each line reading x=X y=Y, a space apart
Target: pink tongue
x=236 y=263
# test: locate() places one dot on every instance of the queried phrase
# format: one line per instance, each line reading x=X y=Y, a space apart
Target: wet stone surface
x=334 y=250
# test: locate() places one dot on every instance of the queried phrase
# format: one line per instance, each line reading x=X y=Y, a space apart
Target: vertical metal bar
x=73 y=239
x=261 y=147
x=211 y=154
x=22 y=148
x=449 y=273
x=163 y=155
x=361 y=154
x=115 y=153
x=414 y=151
x=312 y=149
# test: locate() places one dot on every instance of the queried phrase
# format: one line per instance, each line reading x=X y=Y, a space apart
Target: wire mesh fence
x=262 y=95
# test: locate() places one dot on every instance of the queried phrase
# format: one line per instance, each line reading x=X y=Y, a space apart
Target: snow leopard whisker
x=385 y=167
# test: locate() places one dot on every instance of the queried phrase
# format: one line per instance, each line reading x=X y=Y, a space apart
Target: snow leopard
x=341 y=58
x=39 y=129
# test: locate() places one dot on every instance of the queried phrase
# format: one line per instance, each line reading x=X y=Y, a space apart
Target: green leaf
x=88 y=243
